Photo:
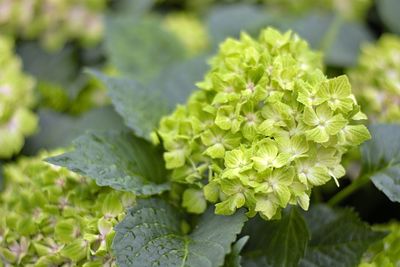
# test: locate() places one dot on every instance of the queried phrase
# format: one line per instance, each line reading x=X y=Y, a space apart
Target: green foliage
x=338 y=238
x=277 y=243
x=154 y=48
x=234 y=258
x=265 y=127
x=376 y=79
x=381 y=159
x=53 y=217
x=151 y=234
x=16 y=99
x=59 y=130
x=119 y=160
x=388 y=9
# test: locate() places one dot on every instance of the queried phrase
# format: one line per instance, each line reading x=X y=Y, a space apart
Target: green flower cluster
x=53 y=217
x=265 y=127
x=385 y=253
x=53 y=22
x=16 y=98
x=376 y=79
x=350 y=9
x=189 y=30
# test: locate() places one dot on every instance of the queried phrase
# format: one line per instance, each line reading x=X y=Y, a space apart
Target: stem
x=350 y=189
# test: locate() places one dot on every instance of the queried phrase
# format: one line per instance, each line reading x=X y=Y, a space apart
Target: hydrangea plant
x=376 y=79
x=16 y=98
x=53 y=22
x=189 y=30
x=386 y=252
x=264 y=128
x=53 y=217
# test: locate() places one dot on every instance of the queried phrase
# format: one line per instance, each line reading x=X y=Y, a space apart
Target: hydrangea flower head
x=264 y=128
x=376 y=79
x=16 y=98
x=53 y=217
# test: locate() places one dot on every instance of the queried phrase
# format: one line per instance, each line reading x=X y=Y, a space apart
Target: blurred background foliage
x=164 y=45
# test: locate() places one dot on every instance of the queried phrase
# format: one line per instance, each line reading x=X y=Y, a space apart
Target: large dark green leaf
x=340 y=39
x=151 y=235
x=339 y=238
x=389 y=12
x=59 y=67
x=142 y=106
x=280 y=243
x=58 y=130
x=381 y=159
x=140 y=48
x=229 y=21
x=119 y=160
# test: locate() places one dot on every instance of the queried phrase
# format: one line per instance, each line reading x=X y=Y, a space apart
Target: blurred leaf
x=119 y=160
x=234 y=258
x=344 y=38
x=339 y=238
x=151 y=235
x=230 y=20
x=389 y=12
x=59 y=67
x=276 y=243
x=1 y=176
x=132 y=7
x=139 y=48
x=142 y=106
x=58 y=130
x=381 y=159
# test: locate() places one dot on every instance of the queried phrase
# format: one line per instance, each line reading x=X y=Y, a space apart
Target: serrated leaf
x=381 y=159
x=142 y=106
x=140 y=48
x=277 y=243
x=339 y=238
x=58 y=129
x=389 y=12
x=234 y=258
x=119 y=160
x=151 y=235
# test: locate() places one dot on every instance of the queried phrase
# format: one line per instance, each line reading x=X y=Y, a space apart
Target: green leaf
x=381 y=159
x=140 y=107
x=343 y=42
x=229 y=21
x=58 y=129
x=143 y=106
x=151 y=235
x=277 y=243
x=59 y=68
x=339 y=238
x=119 y=160
x=140 y=48
x=389 y=12
x=234 y=258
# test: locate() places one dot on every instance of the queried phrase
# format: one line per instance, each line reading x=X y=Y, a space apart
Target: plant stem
x=350 y=189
